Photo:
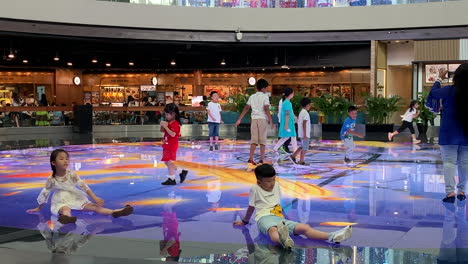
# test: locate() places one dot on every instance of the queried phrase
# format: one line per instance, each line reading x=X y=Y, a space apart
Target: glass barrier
x=274 y=3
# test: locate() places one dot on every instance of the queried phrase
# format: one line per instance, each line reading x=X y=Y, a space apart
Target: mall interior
x=95 y=78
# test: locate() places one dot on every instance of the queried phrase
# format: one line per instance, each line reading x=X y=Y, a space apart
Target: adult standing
x=453 y=136
x=260 y=105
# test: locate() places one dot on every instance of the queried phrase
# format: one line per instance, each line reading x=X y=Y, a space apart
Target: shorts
x=169 y=154
x=258 y=131
x=305 y=144
x=268 y=221
x=214 y=129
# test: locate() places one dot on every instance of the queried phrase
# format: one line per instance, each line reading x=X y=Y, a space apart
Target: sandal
x=461 y=197
x=449 y=199
x=127 y=210
x=65 y=219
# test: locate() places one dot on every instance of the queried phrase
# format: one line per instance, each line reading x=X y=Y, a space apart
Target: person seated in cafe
x=3 y=114
x=56 y=117
x=42 y=117
x=67 y=115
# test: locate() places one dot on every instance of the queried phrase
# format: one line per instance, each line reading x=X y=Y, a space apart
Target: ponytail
x=286 y=92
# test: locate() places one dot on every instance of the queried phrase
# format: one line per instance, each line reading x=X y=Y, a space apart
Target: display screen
x=196 y=100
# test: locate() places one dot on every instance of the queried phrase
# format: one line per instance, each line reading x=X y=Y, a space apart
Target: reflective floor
x=392 y=197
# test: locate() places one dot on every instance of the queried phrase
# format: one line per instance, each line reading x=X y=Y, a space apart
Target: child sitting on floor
x=67 y=196
x=265 y=198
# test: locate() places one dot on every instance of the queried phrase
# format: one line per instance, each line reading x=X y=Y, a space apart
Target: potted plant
x=380 y=110
x=425 y=117
x=334 y=109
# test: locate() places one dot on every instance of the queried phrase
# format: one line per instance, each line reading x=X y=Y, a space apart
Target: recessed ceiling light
x=25 y=61
x=94 y=61
x=173 y=62
x=56 y=58
x=223 y=62
x=11 y=56
x=69 y=64
x=131 y=63
x=108 y=64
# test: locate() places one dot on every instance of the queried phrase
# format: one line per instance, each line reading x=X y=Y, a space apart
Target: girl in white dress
x=67 y=196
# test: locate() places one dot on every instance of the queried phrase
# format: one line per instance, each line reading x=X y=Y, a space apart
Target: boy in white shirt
x=303 y=130
x=214 y=119
x=265 y=199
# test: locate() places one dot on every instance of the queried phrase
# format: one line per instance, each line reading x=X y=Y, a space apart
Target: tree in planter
x=426 y=116
x=381 y=109
x=335 y=108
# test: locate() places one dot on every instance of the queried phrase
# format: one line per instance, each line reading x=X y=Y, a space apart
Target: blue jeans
x=453 y=155
x=214 y=129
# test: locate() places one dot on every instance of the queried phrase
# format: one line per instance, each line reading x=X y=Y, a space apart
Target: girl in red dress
x=170 y=143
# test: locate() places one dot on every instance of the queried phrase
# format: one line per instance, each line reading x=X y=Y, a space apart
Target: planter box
x=379 y=128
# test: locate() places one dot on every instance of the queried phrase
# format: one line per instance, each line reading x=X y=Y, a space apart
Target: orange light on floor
x=10 y=193
x=416 y=197
x=242 y=194
x=312 y=176
x=225 y=209
x=336 y=199
x=155 y=201
x=50 y=224
x=337 y=224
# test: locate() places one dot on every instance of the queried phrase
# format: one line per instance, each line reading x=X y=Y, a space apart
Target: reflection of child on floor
x=348 y=131
x=214 y=193
x=67 y=196
x=265 y=199
x=170 y=246
x=408 y=117
x=170 y=143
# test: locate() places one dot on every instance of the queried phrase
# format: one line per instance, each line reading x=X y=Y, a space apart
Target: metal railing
x=274 y=3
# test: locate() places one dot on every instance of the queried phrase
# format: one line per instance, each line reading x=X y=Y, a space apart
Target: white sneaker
x=341 y=235
x=284 y=237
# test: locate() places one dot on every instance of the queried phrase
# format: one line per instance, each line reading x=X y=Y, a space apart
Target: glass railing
x=274 y=3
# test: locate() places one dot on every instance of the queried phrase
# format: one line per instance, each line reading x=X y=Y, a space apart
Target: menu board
x=432 y=71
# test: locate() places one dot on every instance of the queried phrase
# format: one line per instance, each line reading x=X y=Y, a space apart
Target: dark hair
x=286 y=92
x=412 y=104
x=16 y=98
x=264 y=171
x=213 y=92
x=1 y=101
x=262 y=83
x=460 y=80
x=43 y=100
x=352 y=108
x=305 y=101
x=53 y=157
x=172 y=108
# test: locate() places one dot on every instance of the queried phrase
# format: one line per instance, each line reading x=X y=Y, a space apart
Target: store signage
x=148 y=88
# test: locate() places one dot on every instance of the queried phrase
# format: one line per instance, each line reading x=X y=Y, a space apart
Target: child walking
x=348 y=131
x=265 y=198
x=408 y=117
x=287 y=130
x=67 y=196
x=170 y=143
x=214 y=119
x=303 y=130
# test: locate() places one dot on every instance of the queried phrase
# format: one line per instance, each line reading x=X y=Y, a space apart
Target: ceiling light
x=69 y=64
x=276 y=60
x=223 y=62
x=108 y=64
x=11 y=56
x=284 y=66
x=94 y=61
x=25 y=61
x=56 y=58
x=173 y=62
x=131 y=64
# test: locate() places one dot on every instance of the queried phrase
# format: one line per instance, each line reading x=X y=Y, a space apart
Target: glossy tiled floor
x=392 y=197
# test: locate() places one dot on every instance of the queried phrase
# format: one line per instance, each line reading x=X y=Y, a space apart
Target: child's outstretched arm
x=43 y=196
x=77 y=180
x=246 y=218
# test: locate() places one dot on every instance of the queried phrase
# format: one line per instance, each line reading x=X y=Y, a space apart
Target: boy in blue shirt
x=347 y=133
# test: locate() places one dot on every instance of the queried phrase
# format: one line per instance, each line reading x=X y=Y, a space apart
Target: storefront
x=27 y=85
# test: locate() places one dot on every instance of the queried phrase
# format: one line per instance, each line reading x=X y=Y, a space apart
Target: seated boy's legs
x=268 y=225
